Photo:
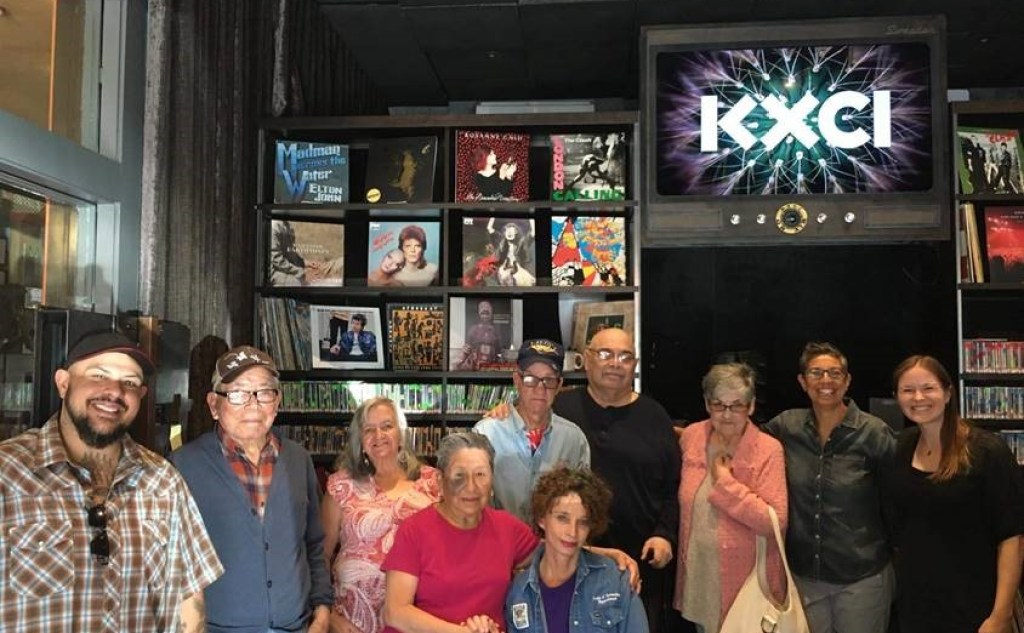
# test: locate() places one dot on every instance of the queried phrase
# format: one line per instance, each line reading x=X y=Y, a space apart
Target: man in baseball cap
x=82 y=467
x=248 y=482
x=531 y=439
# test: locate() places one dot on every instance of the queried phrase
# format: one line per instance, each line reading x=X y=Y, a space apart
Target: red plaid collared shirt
x=255 y=478
x=160 y=552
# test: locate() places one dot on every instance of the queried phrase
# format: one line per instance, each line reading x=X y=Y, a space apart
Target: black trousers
x=656 y=594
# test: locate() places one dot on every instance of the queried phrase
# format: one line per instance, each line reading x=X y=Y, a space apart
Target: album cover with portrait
x=345 y=337
x=492 y=166
x=498 y=252
x=404 y=253
x=989 y=160
x=484 y=333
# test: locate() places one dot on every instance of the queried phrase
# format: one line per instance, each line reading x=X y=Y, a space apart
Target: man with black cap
x=531 y=439
x=99 y=533
x=259 y=496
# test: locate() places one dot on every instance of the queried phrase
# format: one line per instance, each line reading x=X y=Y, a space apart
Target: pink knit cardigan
x=741 y=500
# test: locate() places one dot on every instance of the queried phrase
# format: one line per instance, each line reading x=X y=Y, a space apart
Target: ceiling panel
x=465 y=50
x=483 y=27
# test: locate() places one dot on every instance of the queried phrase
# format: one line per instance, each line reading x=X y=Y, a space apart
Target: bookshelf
x=318 y=401
x=990 y=295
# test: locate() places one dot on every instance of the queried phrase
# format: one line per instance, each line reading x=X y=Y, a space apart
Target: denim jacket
x=602 y=600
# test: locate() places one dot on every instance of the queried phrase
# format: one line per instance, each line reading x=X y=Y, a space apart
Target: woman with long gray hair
x=379 y=484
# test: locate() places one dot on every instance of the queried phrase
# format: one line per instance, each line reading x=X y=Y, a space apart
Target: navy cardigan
x=274 y=570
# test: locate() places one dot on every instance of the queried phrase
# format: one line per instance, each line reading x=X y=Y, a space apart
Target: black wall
x=878 y=303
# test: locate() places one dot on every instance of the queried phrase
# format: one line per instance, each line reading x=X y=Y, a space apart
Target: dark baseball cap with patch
x=234 y=361
x=541 y=350
x=108 y=341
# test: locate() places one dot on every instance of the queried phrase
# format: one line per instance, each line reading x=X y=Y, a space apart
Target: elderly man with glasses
x=837 y=543
x=529 y=439
x=98 y=533
x=259 y=497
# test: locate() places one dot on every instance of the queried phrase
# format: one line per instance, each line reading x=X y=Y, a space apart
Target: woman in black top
x=956 y=497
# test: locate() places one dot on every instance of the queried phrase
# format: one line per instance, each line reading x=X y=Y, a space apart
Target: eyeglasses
x=241 y=398
x=835 y=373
x=605 y=355
x=736 y=407
x=549 y=382
x=99 y=546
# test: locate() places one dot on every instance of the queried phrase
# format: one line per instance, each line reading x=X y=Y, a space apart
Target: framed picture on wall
x=590 y=317
x=346 y=337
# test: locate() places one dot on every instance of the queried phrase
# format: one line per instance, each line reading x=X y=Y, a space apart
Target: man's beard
x=90 y=436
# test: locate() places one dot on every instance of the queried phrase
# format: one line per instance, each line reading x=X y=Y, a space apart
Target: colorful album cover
x=588 y=166
x=1004 y=238
x=345 y=337
x=306 y=254
x=588 y=251
x=416 y=336
x=485 y=333
x=498 y=252
x=310 y=172
x=989 y=160
x=492 y=166
x=404 y=253
x=401 y=170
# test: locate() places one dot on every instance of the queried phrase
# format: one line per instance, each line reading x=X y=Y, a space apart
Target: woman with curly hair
x=564 y=585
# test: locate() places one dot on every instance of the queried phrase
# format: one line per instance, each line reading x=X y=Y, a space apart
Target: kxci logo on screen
x=810 y=121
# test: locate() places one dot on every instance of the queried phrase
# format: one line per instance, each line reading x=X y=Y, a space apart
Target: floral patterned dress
x=369 y=520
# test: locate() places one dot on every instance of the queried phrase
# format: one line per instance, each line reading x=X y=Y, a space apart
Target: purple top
x=556 y=601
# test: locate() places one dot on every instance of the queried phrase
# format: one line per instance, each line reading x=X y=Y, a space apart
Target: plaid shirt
x=255 y=478
x=159 y=549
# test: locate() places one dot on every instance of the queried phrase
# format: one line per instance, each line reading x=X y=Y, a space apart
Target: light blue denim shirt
x=517 y=467
x=602 y=600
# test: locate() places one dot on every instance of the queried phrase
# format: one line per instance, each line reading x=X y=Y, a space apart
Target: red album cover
x=1004 y=238
x=492 y=166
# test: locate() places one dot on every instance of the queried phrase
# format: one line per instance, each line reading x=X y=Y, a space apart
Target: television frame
x=805 y=218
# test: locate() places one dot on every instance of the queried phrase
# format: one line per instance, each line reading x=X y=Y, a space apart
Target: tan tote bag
x=754 y=609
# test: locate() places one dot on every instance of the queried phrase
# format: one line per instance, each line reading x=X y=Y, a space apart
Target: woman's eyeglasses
x=834 y=373
x=99 y=546
x=241 y=398
x=736 y=407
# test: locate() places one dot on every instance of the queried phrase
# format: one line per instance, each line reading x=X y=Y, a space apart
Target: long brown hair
x=956 y=457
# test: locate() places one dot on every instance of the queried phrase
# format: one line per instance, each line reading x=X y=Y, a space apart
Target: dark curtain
x=214 y=69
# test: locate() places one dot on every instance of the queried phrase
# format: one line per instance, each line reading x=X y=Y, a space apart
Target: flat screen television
x=795 y=132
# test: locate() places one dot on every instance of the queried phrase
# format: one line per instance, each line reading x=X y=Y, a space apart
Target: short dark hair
x=593 y=491
x=359 y=317
x=815 y=349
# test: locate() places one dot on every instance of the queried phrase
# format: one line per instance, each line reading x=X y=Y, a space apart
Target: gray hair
x=352 y=457
x=455 y=442
x=729 y=376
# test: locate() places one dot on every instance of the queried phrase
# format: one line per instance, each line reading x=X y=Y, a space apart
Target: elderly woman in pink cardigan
x=731 y=473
